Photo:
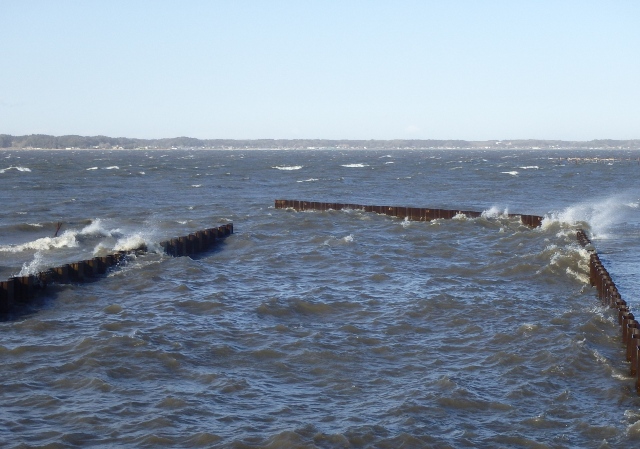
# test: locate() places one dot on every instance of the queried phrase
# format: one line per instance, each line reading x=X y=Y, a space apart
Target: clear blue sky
x=348 y=69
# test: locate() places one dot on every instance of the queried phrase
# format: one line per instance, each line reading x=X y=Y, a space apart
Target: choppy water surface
x=319 y=329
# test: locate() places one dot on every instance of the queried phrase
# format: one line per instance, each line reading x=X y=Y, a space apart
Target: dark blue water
x=319 y=329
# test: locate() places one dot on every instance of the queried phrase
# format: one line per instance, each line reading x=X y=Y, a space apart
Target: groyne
x=409 y=213
x=609 y=295
x=22 y=289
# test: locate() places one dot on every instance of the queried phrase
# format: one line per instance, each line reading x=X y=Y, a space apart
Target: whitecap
x=33 y=267
x=287 y=167
x=22 y=169
x=309 y=180
x=530 y=167
x=113 y=167
x=494 y=212
x=355 y=165
x=92 y=168
x=130 y=242
x=196 y=185
x=601 y=215
x=390 y=162
x=512 y=173
x=96 y=228
x=580 y=277
x=66 y=240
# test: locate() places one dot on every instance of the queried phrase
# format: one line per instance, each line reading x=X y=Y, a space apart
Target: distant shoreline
x=74 y=142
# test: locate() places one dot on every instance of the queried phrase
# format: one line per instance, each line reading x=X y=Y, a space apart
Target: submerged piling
x=408 y=213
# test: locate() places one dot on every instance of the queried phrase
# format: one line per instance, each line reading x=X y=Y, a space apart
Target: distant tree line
x=103 y=142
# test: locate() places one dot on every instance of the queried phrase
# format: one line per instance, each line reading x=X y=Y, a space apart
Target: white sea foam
x=101 y=249
x=287 y=167
x=96 y=228
x=530 y=167
x=130 y=242
x=355 y=165
x=196 y=185
x=390 y=162
x=33 y=267
x=23 y=169
x=601 y=215
x=66 y=240
x=581 y=277
x=92 y=168
x=348 y=238
x=494 y=212
x=113 y=167
x=512 y=173
x=309 y=180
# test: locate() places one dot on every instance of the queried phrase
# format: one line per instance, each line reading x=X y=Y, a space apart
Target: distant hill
x=43 y=141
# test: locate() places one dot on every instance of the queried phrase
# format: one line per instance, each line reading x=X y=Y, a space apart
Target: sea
x=333 y=329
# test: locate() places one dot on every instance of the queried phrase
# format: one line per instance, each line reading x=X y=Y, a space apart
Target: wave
x=309 y=180
x=113 y=167
x=33 y=267
x=287 y=167
x=495 y=212
x=96 y=228
x=335 y=241
x=354 y=165
x=601 y=216
x=130 y=242
x=66 y=240
x=22 y=169
x=92 y=168
x=512 y=173
x=530 y=167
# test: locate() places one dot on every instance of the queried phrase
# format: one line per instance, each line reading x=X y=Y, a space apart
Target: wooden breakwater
x=21 y=289
x=196 y=242
x=610 y=296
x=410 y=213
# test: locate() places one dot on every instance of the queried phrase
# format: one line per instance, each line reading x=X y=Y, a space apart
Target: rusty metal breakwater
x=21 y=289
x=610 y=296
x=410 y=213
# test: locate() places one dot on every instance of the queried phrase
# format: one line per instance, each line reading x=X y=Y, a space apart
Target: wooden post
x=76 y=271
x=7 y=295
